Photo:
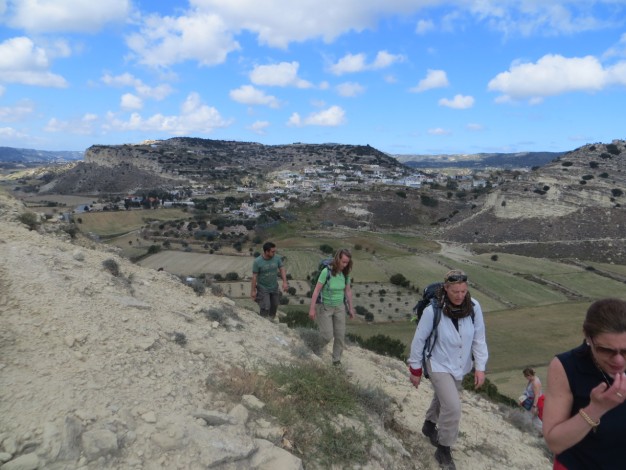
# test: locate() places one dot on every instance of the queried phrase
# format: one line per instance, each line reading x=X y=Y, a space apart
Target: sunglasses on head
x=456 y=278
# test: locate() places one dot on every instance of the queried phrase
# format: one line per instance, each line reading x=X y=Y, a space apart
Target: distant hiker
x=584 y=418
x=264 y=285
x=330 y=313
x=531 y=398
x=458 y=336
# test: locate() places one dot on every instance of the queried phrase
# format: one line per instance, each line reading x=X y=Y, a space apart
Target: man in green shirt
x=264 y=284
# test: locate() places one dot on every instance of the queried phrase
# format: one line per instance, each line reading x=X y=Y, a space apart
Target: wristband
x=416 y=372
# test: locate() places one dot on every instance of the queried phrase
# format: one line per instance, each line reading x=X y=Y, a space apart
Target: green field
x=107 y=224
x=533 y=307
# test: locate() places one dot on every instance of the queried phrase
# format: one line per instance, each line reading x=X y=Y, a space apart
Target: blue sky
x=405 y=76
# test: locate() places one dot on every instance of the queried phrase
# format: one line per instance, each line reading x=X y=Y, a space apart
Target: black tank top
x=606 y=447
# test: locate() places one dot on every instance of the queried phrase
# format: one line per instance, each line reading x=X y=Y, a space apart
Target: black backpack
x=430 y=292
x=430 y=297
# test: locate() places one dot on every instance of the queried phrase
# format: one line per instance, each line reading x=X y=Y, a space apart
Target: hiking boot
x=430 y=431
x=443 y=455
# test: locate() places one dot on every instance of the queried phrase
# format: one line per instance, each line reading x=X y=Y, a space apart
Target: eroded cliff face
x=142 y=156
x=94 y=374
x=575 y=202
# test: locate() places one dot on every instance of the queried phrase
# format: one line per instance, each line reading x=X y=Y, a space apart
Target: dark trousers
x=268 y=302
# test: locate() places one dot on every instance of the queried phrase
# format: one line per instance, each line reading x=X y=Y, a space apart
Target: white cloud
x=350 y=89
x=424 y=26
x=130 y=102
x=195 y=117
x=331 y=117
x=474 y=127
x=439 y=131
x=384 y=59
x=433 y=79
x=158 y=92
x=22 y=62
x=164 y=41
x=249 y=95
x=553 y=75
x=82 y=126
x=45 y=16
x=259 y=127
x=18 y=112
x=10 y=133
x=352 y=63
x=294 y=120
x=283 y=74
x=458 y=102
x=349 y=63
x=2 y=90
x=278 y=23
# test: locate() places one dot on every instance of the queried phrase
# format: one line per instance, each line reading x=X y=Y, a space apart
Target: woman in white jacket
x=458 y=338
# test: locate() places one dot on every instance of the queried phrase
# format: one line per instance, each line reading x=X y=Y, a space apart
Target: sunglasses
x=608 y=352
x=456 y=278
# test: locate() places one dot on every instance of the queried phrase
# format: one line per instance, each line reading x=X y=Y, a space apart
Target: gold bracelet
x=594 y=425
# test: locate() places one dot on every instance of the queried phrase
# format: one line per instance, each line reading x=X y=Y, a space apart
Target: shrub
x=616 y=192
x=292 y=290
x=587 y=177
x=112 y=266
x=29 y=219
x=494 y=257
x=297 y=318
x=179 y=338
x=567 y=163
x=232 y=276
x=214 y=314
x=428 y=201
x=198 y=286
x=594 y=164
x=154 y=249
x=603 y=175
x=401 y=194
x=399 y=280
x=384 y=345
x=613 y=149
x=327 y=249
x=283 y=300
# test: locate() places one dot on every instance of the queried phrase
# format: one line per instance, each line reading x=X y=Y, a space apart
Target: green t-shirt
x=333 y=293
x=267 y=272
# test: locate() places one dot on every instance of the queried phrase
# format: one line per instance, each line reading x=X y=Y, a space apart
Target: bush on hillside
x=327 y=249
x=399 y=280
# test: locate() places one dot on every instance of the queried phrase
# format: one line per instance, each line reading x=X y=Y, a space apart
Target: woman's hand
x=312 y=312
x=415 y=380
x=606 y=398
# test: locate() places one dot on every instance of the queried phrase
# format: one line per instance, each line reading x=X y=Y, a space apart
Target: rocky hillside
x=104 y=364
x=573 y=207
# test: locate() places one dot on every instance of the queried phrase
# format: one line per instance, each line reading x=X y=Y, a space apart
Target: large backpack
x=430 y=292
x=324 y=264
x=430 y=297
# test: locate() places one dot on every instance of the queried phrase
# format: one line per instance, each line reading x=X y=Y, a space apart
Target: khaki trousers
x=445 y=408
x=331 y=322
